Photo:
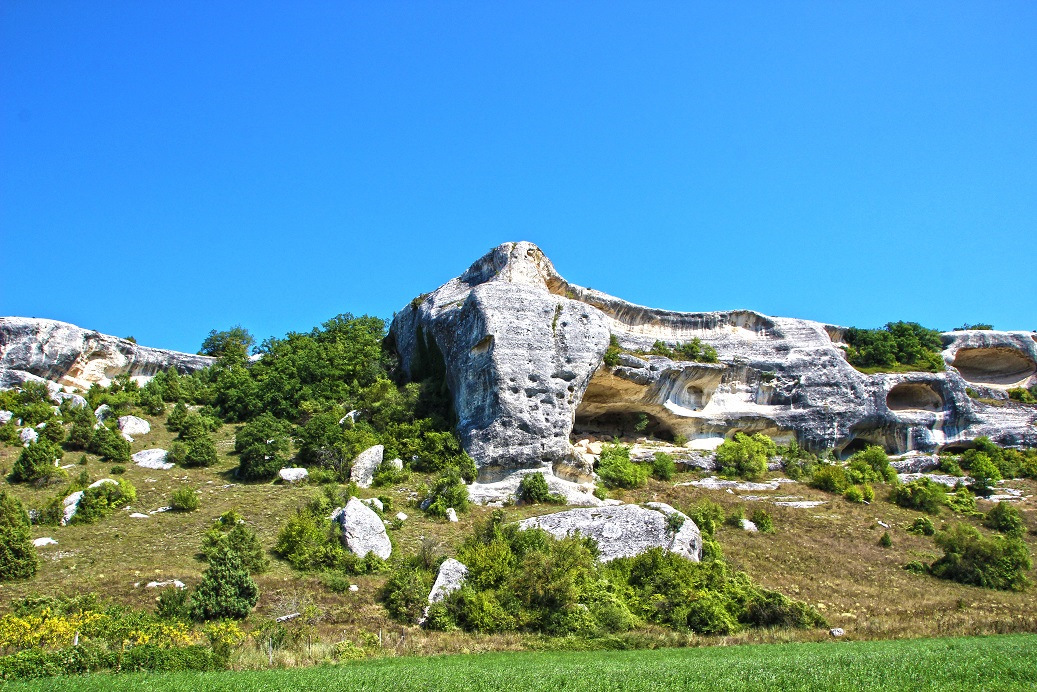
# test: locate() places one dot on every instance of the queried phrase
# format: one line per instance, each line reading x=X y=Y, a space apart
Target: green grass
x=974 y=663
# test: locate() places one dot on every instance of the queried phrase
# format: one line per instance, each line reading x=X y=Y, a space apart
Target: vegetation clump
x=184 y=500
x=922 y=494
x=533 y=490
x=102 y=500
x=17 y=554
x=1000 y=562
x=616 y=470
x=899 y=346
x=745 y=456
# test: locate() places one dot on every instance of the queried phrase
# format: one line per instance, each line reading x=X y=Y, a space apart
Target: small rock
x=882 y=524
x=126 y=437
x=131 y=425
x=163 y=584
x=354 y=588
x=451 y=515
x=293 y=475
x=28 y=436
x=401 y=516
x=286 y=618
x=836 y=632
x=749 y=526
x=153 y=459
x=77 y=400
x=40 y=542
x=160 y=510
x=352 y=417
x=139 y=515
x=5 y=417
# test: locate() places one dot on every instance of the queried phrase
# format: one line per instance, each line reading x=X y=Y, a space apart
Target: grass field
x=1003 y=662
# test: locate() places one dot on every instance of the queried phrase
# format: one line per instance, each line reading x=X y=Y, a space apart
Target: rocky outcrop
x=521 y=351
x=505 y=491
x=625 y=530
x=362 y=530
x=69 y=356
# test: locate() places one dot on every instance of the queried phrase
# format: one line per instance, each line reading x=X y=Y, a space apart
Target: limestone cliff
x=522 y=353
x=76 y=358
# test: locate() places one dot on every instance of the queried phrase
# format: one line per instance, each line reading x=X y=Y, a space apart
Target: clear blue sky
x=169 y=168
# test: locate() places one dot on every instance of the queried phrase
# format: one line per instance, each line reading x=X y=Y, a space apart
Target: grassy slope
x=1002 y=662
x=827 y=556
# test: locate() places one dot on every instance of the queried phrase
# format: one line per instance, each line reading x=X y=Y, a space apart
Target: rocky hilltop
x=76 y=358
x=522 y=353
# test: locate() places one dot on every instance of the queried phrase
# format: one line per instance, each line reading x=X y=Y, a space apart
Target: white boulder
x=374 y=502
x=449 y=579
x=153 y=459
x=131 y=425
x=40 y=542
x=451 y=515
x=365 y=465
x=293 y=475
x=362 y=530
x=163 y=584
x=400 y=516
x=28 y=436
x=5 y=417
x=102 y=412
x=61 y=397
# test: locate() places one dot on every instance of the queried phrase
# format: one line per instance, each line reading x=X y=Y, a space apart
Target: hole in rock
x=857 y=444
x=914 y=396
x=621 y=424
x=484 y=345
x=999 y=365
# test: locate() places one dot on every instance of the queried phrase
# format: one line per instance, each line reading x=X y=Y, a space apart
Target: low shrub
x=922 y=526
x=226 y=590
x=18 y=558
x=962 y=501
x=663 y=466
x=447 y=491
x=854 y=494
x=763 y=520
x=922 y=494
x=405 y=594
x=745 y=456
x=886 y=541
x=109 y=445
x=308 y=541
x=387 y=474
x=707 y=515
x=100 y=501
x=35 y=464
x=969 y=558
x=830 y=478
x=185 y=500
x=263 y=446
x=533 y=490
x=617 y=471
x=1006 y=519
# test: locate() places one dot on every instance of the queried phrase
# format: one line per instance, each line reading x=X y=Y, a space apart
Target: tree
x=744 y=456
x=232 y=344
x=226 y=590
x=17 y=555
x=264 y=447
x=36 y=462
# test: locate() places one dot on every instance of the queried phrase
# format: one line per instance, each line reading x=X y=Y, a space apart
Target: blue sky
x=170 y=168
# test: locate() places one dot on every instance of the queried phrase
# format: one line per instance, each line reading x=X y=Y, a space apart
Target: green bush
x=923 y=526
x=993 y=563
x=922 y=494
x=886 y=541
x=763 y=520
x=238 y=537
x=308 y=541
x=447 y=491
x=617 y=471
x=226 y=590
x=387 y=474
x=109 y=445
x=100 y=501
x=611 y=356
x=173 y=603
x=35 y=464
x=707 y=515
x=18 y=558
x=185 y=500
x=1006 y=519
x=264 y=447
x=897 y=346
x=745 y=456
x=1024 y=396
x=868 y=465
x=962 y=501
x=984 y=474
x=533 y=490
x=663 y=466
x=176 y=417
x=830 y=478
x=854 y=494
x=405 y=594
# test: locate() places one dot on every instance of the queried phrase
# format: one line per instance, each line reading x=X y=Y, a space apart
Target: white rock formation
x=132 y=425
x=153 y=459
x=496 y=494
x=374 y=503
x=61 y=397
x=28 y=436
x=451 y=515
x=365 y=465
x=749 y=526
x=102 y=412
x=176 y=583
x=449 y=579
x=362 y=530
x=40 y=542
x=33 y=349
x=624 y=530
x=5 y=417
x=293 y=475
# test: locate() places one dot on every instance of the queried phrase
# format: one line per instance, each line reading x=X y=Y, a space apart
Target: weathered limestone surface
x=624 y=530
x=132 y=425
x=522 y=352
x=69 y=356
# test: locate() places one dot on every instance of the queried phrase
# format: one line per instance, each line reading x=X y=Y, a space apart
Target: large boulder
x=365 y=465
x=449 y=579
x=66 y=355
x=77 y=400
x=153 y=459
x=625 y=530
x=362 y=530
x=521 y=350
x=28 y=436
x=293 y=475
x=131 y=425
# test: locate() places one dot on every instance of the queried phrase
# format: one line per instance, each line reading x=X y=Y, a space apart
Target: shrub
x=993 y=563
x=405 y=594
x=35 y=464
x=263 y=445
x=962 y=501
x=448 y=491
x=745 y=456
x=176 y=417
x=871 y=464
x=308 y=542
x=617 y=471
x=886 y=541
x=173 y=604
x=18 y=558
x=735 y=517
x=895 y=345
x=533 y=490
x=226 y=590
x=109 y=445
x=707 y=515
x=949 y=465
x=763 y=521
x=984 y=474
x=185 y=500
x=388 y=474
x=611 y=356
x=922 y=526
x=867 y=492
x=854 y=494
x=830 y=478
x=663 y=466
x=1005 y=519
x=235 y=535
x=1024 y=396
x=100 y=501
x=117 y=470
x=922 y=494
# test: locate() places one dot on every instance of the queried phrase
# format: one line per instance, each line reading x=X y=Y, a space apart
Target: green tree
x=226 y=590
x=264 y=446
x=35 y=464
x=234 y=342
x=744 y=456
x=17 y=554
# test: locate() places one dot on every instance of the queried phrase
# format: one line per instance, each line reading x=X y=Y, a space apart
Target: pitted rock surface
x=362 y=530
x=522 y=350
x=624 y=530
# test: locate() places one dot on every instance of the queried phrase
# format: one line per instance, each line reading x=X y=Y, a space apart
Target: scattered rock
x=400 y=516
x=942 y=479
x=28 y=436
x=882 y=524
x=362 y=531
x=836 y=632
x=915 y=463
x=160 y=510
x=397 y=464
x=498 y=493
x=102 y=412
x=40 y=542
x=139 y=515
x=451 y=515
x=374 y=502
x=354 y=588
x=153 y=459
x=5 y=417
x=77 y=400
x=293 y=475
x=364 y=466
x=801 y=504
x=163 y=584
x=624 y=530
x=286 y=618
x=126 y=437
x=131 y=425
x=714 y=483
x=749 y=526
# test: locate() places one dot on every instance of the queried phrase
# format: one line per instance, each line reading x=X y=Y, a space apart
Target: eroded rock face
x=522 y=353
x=69 y=356
x=362 y=530
x=625 y=530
